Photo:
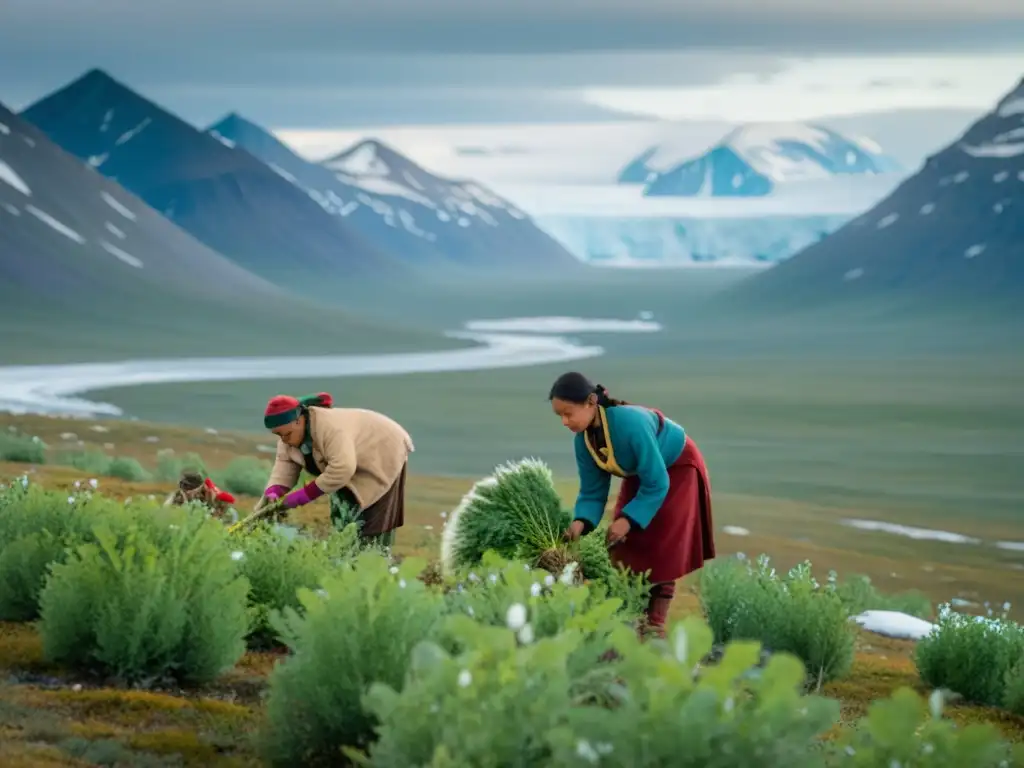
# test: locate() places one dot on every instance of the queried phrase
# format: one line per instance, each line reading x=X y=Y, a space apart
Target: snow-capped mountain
x=953 y=230
x=466 y=221
x=753 y=160
x=223 y=196
x=424 y=219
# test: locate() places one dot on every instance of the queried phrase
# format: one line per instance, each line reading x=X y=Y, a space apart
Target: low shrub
x=791 y=614
x=159 y=600
x=360 y=628
x=245 y=475
x=170 y=465
x=128 y=469
x=22 y=449
x=277 y=566
x=858 y=594
x=92 y=461
x=903 y=731
x=536 y=605
x=37 y=527
x=977 y=657
x=505 y=701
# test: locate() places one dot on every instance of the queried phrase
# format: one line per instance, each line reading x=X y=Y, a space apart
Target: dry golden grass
x=213 y=727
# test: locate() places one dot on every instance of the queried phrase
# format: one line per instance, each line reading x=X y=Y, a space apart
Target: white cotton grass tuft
x=516 y=616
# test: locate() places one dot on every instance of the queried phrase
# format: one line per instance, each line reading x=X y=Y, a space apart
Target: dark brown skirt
x=384 y=515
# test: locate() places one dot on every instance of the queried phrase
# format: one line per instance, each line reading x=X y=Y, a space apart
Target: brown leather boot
x=657 y=615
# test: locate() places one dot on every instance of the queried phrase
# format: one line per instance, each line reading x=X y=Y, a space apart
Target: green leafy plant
x=159 y=600
x=359 y=628
x=858 y=594
x=277 y=566
x=37 y=527
x=169 y=465
x=972 y=655
x=22 y=449
x=535 y=605
x=127 y=468
x=790 y=613
x=92 y=461
x=903 y=731
x=501 y=701
x=245 y=475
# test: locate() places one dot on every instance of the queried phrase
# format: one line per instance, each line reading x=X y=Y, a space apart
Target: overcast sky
x=323 y=63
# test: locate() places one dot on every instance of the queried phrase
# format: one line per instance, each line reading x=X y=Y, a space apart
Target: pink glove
x=304 y=495
x=275 y=492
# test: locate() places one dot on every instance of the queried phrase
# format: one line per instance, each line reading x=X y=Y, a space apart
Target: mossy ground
x=48 y=719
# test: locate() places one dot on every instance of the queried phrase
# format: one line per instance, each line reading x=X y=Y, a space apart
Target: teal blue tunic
x=639 y=450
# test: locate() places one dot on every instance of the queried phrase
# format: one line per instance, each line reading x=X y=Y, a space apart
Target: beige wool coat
x=354 y=448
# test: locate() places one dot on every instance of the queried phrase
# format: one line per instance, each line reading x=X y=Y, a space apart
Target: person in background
x=193 y=487
x=662 y=519
x=357 y=457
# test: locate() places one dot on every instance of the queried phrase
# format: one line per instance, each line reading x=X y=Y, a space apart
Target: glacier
x=616 y=225
x=624 y=241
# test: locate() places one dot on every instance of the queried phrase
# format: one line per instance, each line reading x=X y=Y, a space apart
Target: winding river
x=53 y=389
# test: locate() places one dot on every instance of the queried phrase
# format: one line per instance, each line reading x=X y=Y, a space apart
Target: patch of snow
x=961 y=177
x=463 y=221
x=282 y=173
x=117 y=206
x=131 y=134
x=11 y=209
x=413 y=182
x=107 y=117
x=927 y=208
x=563 y=325
x=55 y=225
x=5 y=130
x=8 y=175
x=1000 y=177
x=853 y=274
x=113 y=230
x=1001 y=205
x=97 y=160
x=1012 y=546
x=381 y=185
x=31 y=142
x=223 y=139
x=894 y=624
x=974 y=250
x=735 y=530
x=1020 y=175
x=1014 y=106
x=921 y=534
x=363 y=161
x=127 y=258
x=995 y=150
x=888 y=220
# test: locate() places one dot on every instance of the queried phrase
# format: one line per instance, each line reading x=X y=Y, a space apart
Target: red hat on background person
x=284 y=409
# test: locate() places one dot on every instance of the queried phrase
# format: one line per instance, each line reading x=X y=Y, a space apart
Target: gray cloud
x=316 y=61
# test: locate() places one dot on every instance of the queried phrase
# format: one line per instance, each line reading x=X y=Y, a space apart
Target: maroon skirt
x=680 y=537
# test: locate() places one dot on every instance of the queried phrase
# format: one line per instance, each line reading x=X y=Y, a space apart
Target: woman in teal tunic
x=662 y=518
